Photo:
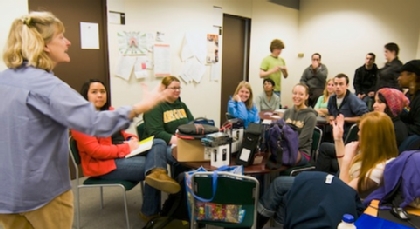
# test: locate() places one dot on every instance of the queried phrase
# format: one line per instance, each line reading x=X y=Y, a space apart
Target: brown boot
x=146 y=218
x=159 y=179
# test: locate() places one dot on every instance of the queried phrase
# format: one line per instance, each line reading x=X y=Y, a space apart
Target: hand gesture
x=153 y=97
x=351 y=150
x=338 y=127
x=283 y=68
x=315 y=64
x=371 y=94
x=133 y=143
x=237 y=98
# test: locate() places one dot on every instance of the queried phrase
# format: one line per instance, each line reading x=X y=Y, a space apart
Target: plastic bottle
x=347 y=222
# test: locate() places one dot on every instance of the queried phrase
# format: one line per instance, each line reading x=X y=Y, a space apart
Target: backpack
x=174 y=213
x=281 y=140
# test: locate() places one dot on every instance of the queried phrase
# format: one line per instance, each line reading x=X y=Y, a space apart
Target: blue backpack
x=281 y=140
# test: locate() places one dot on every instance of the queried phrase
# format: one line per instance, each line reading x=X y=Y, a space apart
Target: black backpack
x=174 y=213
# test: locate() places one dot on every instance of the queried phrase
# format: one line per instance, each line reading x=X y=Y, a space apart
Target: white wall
x=9 y=12
x=344 y=31
x=269 y=21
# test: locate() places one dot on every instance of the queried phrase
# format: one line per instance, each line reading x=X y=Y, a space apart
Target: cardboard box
x=190 y=151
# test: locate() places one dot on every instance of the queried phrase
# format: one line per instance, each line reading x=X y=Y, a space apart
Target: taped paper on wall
x=162 y=60
x=193 y=70
x=125 y=66
x=141 y=66
x=194 y=45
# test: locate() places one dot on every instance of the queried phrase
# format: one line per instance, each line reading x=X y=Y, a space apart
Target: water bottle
x=347 y=222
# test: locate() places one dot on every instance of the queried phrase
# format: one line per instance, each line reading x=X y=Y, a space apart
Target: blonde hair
x=168 y=80
x=377 y=143
x=246 y=85
x=326 y=95
x=27 y=38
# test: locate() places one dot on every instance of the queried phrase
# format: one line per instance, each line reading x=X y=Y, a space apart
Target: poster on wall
x=134 y=42
x=162 y=60
x=212 y=48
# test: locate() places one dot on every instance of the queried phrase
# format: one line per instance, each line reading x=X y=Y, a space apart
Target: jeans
x=135 y=169
x=327 y=158
x=272 y=204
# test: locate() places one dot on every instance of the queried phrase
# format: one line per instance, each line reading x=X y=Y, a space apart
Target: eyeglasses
x=174 y=88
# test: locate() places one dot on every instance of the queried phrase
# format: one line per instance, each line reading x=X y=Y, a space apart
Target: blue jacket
x=239 y=110
x=404 y=167
x=314 y=203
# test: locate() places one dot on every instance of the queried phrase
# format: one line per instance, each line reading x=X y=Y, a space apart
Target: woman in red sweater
x=104 y=157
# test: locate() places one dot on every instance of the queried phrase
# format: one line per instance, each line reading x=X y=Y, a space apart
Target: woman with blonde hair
x=321 y=105
x=163 y=120
x=241 y=104
x=36 y=113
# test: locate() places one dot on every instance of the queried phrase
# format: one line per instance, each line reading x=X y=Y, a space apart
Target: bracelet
x=340 y=156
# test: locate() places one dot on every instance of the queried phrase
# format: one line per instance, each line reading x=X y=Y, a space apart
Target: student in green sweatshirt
x=163 y=120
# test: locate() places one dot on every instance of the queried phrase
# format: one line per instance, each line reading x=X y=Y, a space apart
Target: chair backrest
x=141 y=130
x=229 y=116
x=352 y=134
x=410 y=143
x=316 y=142
x=231 y=189
x=74 y=152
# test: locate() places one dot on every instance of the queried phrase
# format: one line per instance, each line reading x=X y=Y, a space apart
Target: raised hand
x=338 y=127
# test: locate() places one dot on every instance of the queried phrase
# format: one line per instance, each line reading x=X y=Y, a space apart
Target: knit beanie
x=395 y=100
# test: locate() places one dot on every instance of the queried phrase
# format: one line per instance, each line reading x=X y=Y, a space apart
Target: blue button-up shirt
x=36 y=110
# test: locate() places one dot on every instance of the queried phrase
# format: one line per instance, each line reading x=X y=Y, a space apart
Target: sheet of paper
x=245 y=155
x=141 y=66
x=215 y=71
x=89 y=35
x=125 y=67
x=162 y=60
x=160 y=36
x=144 y=145
x=193 y=70
x=194 y=44
x=218 y=16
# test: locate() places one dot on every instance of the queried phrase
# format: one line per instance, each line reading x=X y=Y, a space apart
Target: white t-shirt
x=339 y=101
x=374 y=174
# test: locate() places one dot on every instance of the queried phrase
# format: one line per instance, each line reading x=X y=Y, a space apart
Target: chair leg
x=101 y=190
x=77 y=209
x=126 y=209
x=142 y=188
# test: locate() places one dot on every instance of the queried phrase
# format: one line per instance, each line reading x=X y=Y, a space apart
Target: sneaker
x=146 y=218
x=159 y=179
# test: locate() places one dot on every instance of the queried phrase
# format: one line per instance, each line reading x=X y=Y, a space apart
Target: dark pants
x=314 y=93
x=327 y=159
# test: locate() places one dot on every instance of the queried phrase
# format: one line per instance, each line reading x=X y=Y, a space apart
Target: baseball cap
x=412 y=66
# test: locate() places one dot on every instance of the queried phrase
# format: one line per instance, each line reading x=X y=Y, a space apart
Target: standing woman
x=35 y=116
x=388 y=75
x=241 y=105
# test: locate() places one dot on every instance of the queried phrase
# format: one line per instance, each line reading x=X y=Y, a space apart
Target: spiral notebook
x=144 y=145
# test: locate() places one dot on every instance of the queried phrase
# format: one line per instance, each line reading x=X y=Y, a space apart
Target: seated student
x=410 y=79
x=104 y=157
x=241 y=105
x=392 y=102
x=268 y=100
x=322 y=105
x=304 y=118
x=163 y=120
x=361 y=163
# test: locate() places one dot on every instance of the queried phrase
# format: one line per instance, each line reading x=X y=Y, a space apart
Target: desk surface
x=249 y=170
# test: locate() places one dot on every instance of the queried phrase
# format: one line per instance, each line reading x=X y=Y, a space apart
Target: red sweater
x=97 y=154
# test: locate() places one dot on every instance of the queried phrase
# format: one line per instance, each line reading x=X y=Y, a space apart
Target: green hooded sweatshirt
x=163 y=120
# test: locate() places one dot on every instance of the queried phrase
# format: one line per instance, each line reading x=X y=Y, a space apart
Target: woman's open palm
x=338 y=127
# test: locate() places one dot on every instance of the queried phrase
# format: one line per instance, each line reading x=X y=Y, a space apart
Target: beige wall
x=9 y=12
x=269 y=21
x=344 y=31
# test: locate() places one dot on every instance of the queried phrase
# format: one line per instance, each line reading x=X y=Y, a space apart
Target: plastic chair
x=92 y=182
x=229 y=116
x=352 y=135
x=231 y=189
x=316 y=142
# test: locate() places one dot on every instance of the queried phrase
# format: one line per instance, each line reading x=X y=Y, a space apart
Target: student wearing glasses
x=163 y=120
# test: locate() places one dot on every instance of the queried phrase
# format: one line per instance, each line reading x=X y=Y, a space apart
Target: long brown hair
x=377 y=143
x=246 y=85
x=326 y=95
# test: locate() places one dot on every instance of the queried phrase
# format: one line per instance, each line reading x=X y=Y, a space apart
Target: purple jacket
x=405 y=167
